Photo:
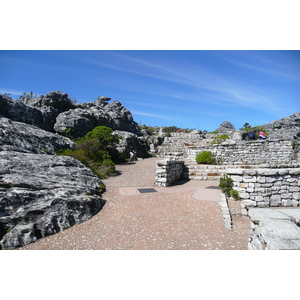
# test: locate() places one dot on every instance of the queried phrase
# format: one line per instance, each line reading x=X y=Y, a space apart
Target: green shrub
x=94 y=150
x=205 y=157
x=235 y=195
x=226 y=185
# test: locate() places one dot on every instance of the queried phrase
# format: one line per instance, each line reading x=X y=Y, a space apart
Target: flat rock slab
x=275 y=229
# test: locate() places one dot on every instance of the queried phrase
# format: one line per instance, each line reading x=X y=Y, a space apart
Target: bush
x=235 y=195
x=205 y=157
x=94 y=150
x=226 y=185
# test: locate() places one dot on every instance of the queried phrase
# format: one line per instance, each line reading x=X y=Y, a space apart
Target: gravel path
x=186 y=216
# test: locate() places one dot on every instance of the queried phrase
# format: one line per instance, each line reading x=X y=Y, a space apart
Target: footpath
x=141 y=216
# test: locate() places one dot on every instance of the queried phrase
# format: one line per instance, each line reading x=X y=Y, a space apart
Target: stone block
x=243 y=185
x=296 y=196
x=294 y=171
x=267 y=172
x=283 y=171
x=270 y=179
x=250 y=203
x=249 y=179
x=236 y=178
x=286 y=195
x=263 y=204
x=244 y=195
x=261 y=179
x=259 y=198
x=275 y=200
x=286 y=202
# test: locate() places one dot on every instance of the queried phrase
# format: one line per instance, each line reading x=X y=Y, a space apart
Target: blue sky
x=189 y=89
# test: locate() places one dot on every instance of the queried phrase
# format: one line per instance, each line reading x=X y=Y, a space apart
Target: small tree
x=246 y=126
x=226 y=185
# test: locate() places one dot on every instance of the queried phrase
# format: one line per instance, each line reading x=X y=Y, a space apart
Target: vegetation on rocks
x=96 y=150
x=219 y=139
x=226 y=185
x=205 y=157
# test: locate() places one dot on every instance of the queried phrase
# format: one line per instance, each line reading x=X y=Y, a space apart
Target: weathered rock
x=17 y=136
x=80 y=121
x=56 y=100
x=18 y=111
x=285 y=128
x=121 y=118
x=225 y=127
x=43 y=194
x=274 y=229
x=130 y=144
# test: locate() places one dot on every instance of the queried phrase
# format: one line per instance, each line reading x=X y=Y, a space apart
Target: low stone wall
x=267 y=187
x=249 y=152
x=180 y=142
x=168 y=171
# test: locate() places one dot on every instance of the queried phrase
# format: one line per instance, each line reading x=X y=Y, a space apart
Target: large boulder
x=80 y=121
x=225 y=127
x=17 y=136
x=43 y=194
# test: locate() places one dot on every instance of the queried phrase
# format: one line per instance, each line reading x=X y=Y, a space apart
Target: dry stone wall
x=249 y=152
x=180 y=142
x=168 y=171
x=268 y=187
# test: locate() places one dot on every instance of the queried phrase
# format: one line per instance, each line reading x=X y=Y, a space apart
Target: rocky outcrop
x=79 y=121
x=18 y=111
x=225 y=127
x=130 y=145
x=17 y=136
x=43 y=194
x=56 y=112
x=285 y=128
x=57 y=100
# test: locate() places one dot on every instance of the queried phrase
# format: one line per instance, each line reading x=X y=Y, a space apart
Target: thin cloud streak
x=164 y=117
x=283 y=74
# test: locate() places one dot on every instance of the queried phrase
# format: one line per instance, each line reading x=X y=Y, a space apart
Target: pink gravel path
x=186 y=217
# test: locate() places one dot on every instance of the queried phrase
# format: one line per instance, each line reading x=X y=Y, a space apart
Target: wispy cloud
x=271 y=68
x=158 y=116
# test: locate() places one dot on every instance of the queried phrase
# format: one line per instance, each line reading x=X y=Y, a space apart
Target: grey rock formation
x=43 y=194
x=225 y=127
x=80 y=121
x=18 y=111
x=130 y=144
x=285 y=128
x=56 y=100
x=17 y=136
